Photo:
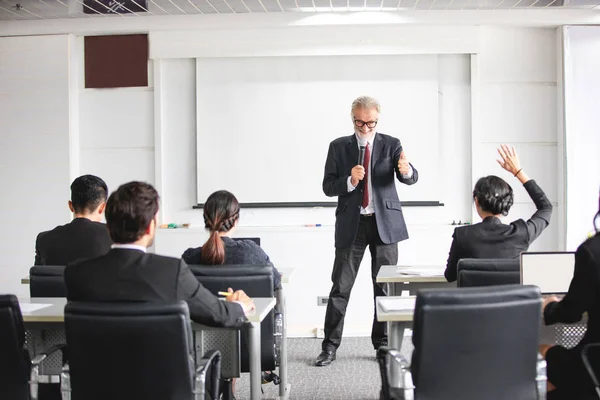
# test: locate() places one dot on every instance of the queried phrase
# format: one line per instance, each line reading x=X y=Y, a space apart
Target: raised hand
x=403 y=164
x=510 y=159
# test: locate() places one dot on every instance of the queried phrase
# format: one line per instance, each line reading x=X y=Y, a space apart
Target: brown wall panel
x=116 y=61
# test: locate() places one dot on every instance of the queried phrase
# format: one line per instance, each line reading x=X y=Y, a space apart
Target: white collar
x=129 y=247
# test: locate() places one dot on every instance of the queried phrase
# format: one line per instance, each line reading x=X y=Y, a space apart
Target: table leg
x=283 y=360
x=254 y=350
x=396 y=337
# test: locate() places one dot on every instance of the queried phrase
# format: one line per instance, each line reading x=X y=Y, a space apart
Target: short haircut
x=366 y=102
x=130 y=210
x=494 y=195
x=87 y=193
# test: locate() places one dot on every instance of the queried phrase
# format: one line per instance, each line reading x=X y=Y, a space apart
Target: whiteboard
x=551 y=272
x=264 y=124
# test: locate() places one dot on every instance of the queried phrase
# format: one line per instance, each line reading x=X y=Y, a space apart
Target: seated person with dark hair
x=85 y=236
x=567 y=376
x=491 y=238
x=129 y=273
x=221 y=216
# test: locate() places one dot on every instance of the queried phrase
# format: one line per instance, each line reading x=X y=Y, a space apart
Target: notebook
x=550 y=271
x=398 y=304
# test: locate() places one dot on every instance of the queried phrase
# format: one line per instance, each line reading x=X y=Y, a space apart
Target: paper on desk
x=416 y=271
x=31 y=307
x=398 y=304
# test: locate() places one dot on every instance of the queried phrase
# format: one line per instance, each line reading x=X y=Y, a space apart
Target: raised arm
x=405 y=171
x=541 y=218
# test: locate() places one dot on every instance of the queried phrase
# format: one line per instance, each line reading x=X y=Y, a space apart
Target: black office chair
x=47 y=281
x=592 y=363
x=256 y=281
x=131 y=351
x=254 y=239
x=473 y=344
x=18 y=373
x=488 y=272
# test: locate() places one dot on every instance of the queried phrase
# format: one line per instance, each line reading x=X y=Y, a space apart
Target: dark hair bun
x=494 y=195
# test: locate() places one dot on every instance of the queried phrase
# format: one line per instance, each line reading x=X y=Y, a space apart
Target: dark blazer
x=583 y=296
x=64 y=244
x=132 y=275
x=341 y=158
x=237 y=252
x=493 y=239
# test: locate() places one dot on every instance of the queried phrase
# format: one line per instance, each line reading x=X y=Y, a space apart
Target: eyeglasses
x=369 y=124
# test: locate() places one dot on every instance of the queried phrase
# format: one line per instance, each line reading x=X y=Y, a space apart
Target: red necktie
x=365 y=199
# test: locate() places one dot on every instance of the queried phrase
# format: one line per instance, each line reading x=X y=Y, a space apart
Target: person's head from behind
x=131 y=214
x=221 y=215
x=492 y=196
x=365 y=114
x=88 y=197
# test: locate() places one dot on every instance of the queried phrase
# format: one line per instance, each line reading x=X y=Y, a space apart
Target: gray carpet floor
x=353 y=376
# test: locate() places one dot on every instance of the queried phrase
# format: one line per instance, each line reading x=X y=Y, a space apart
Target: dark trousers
x=345 y=267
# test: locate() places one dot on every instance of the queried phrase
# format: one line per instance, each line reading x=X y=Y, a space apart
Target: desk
x=25 y=280
x=55 y=315
x=397 y=282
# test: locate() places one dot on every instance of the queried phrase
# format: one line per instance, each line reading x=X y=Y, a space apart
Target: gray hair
x=366 y=102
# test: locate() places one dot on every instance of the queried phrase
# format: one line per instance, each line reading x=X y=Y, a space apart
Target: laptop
x=552 y=272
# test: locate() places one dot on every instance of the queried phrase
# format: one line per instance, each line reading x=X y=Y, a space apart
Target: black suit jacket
x=237 y=252
x=64 y=244
x=565 y=367
x=493 y=239
x=132 y=275
x=341 y=158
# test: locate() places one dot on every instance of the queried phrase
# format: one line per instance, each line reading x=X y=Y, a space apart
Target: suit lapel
x=377 y=149
x=353 y=149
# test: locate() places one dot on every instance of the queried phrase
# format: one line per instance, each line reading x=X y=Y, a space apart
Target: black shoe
x=325 y=358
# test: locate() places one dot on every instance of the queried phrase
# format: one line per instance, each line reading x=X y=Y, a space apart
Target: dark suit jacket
x=242 y=252
x=64 y=244
x=341 y=158
x=132 y=275
x=583 y=296
x=493 y=239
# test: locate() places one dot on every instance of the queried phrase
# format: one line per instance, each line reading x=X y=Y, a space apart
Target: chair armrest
x=588 y=366
x=211 y=357
x=34 y=377
x=541 y=378
x=406 y=384
x=65 y=382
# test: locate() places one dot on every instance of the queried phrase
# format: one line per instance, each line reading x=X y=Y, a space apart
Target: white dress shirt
x=129 y=246
x=370 y=209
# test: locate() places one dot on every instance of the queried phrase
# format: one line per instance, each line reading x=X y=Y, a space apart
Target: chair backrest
x=47 y=281
x=488 y=272
x=15 y=365
x=476 y=343
x=254 y=239
x=256 y=281
x=124 y=351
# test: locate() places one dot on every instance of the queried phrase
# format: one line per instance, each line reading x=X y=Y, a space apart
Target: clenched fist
x=403 y=164
x=357 y=175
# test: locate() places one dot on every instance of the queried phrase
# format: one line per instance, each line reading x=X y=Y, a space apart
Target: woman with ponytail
x=221 y=216
x=493 y=198
x=567 y=375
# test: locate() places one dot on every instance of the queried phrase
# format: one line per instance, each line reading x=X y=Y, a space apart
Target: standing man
x=368 y=214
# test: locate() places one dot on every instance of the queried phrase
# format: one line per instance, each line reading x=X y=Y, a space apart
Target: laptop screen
x=550 y=271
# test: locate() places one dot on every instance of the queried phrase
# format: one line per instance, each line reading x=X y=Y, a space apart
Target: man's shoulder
x=52 y=233
x=388 y=138
x=341 y=140
x=162 y=260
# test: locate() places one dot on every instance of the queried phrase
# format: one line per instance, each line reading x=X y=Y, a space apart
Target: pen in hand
x=226 y=294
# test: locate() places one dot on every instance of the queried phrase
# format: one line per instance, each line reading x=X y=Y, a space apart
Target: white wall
x=34 y=150
x=582 y=93
x=116 y=130
x=517 y=100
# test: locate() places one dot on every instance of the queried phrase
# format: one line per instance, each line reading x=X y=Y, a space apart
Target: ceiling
x=15 y=10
